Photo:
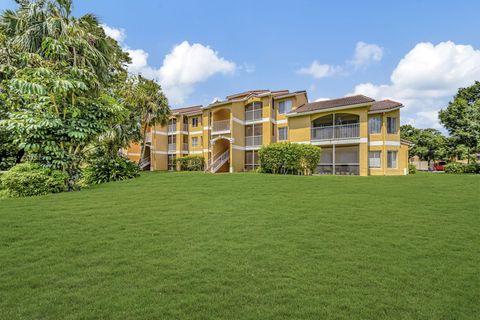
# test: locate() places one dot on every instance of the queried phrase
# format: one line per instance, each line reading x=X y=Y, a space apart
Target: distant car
x=439 y=166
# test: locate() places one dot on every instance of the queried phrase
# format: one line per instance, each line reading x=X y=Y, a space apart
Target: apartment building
x=357 y=135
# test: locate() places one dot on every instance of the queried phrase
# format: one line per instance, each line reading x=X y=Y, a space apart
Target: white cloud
x=319 y=71
x=184 y=67
x=116 y=34
x=322 y=99
x=365 y=53
x=187 y=65
x=216 y=99
x=426 y=79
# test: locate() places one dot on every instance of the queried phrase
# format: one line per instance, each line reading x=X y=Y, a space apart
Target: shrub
x=28 y=179
x=472 y=168
x=454 y=167
x=106 y=169
x=191 y=163
x=412 y=169
x=290 y=158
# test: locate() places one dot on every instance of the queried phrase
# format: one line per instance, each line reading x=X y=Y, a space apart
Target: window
x=172 y=139
x=172 y=166
x=375 y=159
x=251 y=160
x=283 y=133
x=195 y=122
x=375 y=124
x=285 y=106
x=253 y=111
x=391 y=159
x=391 y=125
x=194 y=142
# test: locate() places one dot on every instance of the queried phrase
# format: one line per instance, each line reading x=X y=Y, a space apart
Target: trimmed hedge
x=191 y=163
x=29 y=179
x=457 y=168
x=289 y=158
x=106 y=169
x=412 y=169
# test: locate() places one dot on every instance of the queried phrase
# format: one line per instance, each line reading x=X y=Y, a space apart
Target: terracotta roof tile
x=385 y=105
x=187 y=109
x=327 y=104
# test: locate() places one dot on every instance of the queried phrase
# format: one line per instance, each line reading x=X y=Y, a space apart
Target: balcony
x=222 y=126
x=253 y=141
x=345 y=131
x=185 y=127
x=172 y=147
x=172 y=128
x=253 y=115
x=185 y=147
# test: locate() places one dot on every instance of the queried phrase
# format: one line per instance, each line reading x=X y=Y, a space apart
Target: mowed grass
x=245 y=246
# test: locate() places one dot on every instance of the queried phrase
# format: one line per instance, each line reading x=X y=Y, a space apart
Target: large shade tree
x=428 y=144
x=146 y=99
x=59 y=74
x=462 y=117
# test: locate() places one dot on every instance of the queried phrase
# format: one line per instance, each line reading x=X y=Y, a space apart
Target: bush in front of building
x=29 y=179
x=454 y=167
x=412 y=169
x=191 y=163
x=472 y=168
x=289 y=158
x=105 y=169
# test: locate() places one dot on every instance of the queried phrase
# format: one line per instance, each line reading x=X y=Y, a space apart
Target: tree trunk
x=142 y=146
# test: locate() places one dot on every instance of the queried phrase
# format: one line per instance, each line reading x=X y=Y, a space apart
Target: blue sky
x=417 y=52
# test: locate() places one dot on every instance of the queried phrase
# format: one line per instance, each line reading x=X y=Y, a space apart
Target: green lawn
x=245 y=246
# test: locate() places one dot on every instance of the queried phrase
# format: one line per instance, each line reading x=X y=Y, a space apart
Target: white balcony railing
x=253 y=115
x=336 y=132
x=220 y=126
x=172 y=128
x=185 y=127
x=172 y=147
x=251 y=141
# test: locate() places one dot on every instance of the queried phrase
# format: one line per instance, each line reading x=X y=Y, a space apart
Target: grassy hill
x=245 y=246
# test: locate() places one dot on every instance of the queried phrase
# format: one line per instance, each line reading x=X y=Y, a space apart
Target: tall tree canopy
x=59 y=76
x=462 y=117
x=429 y=144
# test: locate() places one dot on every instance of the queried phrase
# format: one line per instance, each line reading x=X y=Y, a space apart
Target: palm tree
x=150 y=104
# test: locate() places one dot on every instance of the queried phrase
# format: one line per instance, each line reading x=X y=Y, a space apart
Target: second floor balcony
x=185 y=146
x=253 y=115
x=172 y=128
x=253 y=141
x=172 y=147
x=220 y=126
x=345 y=131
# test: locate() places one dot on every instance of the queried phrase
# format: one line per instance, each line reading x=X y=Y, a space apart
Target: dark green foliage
x=472 y=168
x=106 y=169
x=454 y=167
x=290 y=158
x=462 y=117
x=29 y=179
x=412 y=169
x=428 y=144
x=191 y=163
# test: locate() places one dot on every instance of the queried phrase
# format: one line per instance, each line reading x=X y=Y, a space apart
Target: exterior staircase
x=218 y=162
x=144 y=163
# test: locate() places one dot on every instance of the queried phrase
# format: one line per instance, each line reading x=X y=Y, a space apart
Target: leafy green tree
x=59 y=77
x=146 y=99
x=462 y=117
x=429 y=144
